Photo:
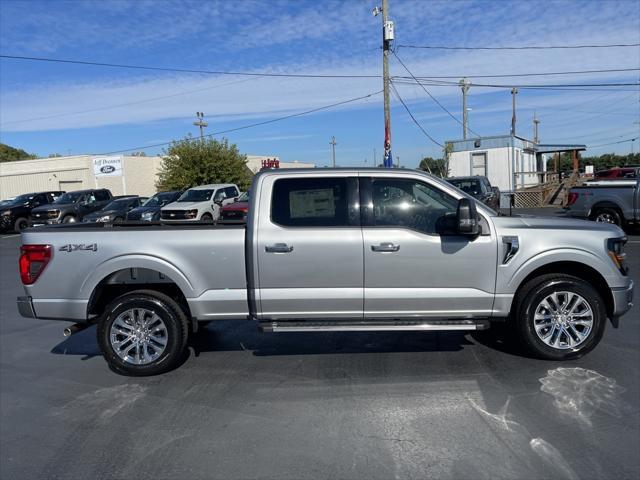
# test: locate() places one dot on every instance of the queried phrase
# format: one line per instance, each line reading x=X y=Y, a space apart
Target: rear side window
x=313 y=202
x=101 y=195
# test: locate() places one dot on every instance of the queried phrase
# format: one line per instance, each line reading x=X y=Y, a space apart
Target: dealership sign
x=107 y=166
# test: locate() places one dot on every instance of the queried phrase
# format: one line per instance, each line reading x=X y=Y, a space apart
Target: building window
x=479 y=163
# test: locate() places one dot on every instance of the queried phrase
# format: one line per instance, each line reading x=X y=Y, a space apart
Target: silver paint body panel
x=331 y=273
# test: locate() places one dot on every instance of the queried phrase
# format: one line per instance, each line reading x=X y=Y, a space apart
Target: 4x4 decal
x=72 y=247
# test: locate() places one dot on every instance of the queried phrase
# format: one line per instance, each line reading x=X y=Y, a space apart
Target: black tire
x=69 y=219
x=20 y=224
x=118 y=220
x=607 y=215
x=530 y=297
x=206 y=217
x=171 y=314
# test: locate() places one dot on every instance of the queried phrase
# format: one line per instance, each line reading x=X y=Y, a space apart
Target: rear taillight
x=571 y=199
x=33 y=260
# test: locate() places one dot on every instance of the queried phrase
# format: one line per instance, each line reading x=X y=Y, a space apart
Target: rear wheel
x=143 y=333
x=607 y=215
x=20 y=224
x=559 y=317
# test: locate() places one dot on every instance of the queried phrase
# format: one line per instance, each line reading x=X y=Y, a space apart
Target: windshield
x=22 y=198
x=196 y=196
x=244 y=197
x=70 y=197
x=160 y=199
x=119 y=204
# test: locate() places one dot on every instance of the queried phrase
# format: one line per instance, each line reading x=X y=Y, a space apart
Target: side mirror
x=467 y=217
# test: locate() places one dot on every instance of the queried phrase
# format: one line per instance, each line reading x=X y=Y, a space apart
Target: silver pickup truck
x=607 y=201
x=331 y=250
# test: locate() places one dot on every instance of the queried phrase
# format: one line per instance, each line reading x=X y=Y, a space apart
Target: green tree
x=11 y=154
x=435 y=166
x=191 y=162
x=600 y=162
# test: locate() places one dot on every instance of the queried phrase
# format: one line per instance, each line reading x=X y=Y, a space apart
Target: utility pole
x=333 y=144
x=464 y=85
x=536 y=122
x=201 y=123
x=387 y=38
x=514 y=92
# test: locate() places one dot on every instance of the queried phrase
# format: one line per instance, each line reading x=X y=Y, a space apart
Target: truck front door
x=412 y=270
x=309 y=248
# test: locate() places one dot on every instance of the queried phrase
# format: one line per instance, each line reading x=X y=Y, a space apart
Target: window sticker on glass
x=312 y=203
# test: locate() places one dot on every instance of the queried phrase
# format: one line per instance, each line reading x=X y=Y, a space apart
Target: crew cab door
x=308 y=247
x=412 y=270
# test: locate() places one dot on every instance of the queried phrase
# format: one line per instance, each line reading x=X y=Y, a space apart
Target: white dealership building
x=122 y=174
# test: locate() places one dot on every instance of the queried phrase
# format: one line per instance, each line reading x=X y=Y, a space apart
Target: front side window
x=313 y=202
x=410 y=204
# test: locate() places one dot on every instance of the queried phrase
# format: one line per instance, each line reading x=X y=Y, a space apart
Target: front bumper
x=622 y=299
x=25 y=307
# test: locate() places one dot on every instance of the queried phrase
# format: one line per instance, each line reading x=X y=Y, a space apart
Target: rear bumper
x=25 y=307
x=622 y=299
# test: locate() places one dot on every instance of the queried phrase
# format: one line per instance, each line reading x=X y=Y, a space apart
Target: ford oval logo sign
x=107 y=169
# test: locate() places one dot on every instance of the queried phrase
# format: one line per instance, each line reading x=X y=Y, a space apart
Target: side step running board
x=373 y=326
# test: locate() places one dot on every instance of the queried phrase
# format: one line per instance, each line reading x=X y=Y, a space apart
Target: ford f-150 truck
x=609 y=201
x=331 y=250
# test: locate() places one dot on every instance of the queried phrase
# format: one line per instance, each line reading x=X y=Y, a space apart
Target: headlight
x=6 y=212
x=147 y=216
x=615 y=251
x=192 y=213
x=106 y=218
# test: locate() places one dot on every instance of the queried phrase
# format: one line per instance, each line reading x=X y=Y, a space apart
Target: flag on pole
x=387 y=160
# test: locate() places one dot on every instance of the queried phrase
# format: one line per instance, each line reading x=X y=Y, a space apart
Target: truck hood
x=560 y=223
x=52 y=206
x=236 y=206
x=184 y=205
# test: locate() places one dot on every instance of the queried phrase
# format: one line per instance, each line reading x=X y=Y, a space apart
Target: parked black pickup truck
x=71 y=207
x=14 y=215
x=479 y=188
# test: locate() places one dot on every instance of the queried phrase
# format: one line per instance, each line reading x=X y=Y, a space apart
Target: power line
x=395 y=90
x=138 y=102
x=565 y=87
x=273 y=120
x=429 y=93
x=536 y=74
x=182 y=70
x=613 y=143
x=523 y=47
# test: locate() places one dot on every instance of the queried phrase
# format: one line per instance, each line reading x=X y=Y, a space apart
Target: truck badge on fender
x=72 y=247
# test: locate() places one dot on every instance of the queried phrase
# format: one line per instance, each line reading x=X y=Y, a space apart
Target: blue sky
x=49 y=107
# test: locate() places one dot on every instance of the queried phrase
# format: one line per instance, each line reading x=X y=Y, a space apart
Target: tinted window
x=231 y=192
x=470 y=186
x=196 y=196
x=410 y=204
x=101 y=195
x=312 y=202
x=69 y=197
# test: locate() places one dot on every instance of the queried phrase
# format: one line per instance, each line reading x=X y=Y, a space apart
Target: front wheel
x=69 y=219
x=607 y=215
x=20 y=224
x=143 y=333
x=560 y=317
x=206 y=217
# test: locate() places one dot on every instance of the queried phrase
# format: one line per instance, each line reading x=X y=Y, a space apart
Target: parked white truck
x=200 y=204
x=332 y=250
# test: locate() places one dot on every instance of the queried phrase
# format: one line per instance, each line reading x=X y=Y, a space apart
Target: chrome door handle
x=278 y=248
x=385 y=247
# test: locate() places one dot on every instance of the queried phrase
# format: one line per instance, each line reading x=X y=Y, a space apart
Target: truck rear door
x=309 y=248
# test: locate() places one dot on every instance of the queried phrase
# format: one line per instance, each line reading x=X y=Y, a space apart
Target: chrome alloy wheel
x=605 y=218
x=138 y=336
x=563 y=320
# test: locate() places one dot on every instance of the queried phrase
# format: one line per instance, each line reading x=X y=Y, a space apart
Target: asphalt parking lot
x=324 y=405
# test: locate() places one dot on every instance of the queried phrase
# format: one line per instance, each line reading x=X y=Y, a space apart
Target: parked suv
x=200 y=203
x=236 y=211
x=149 y=211
x=14 y=214
x=116 y=210
x=479 y=188
x=71 y=207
